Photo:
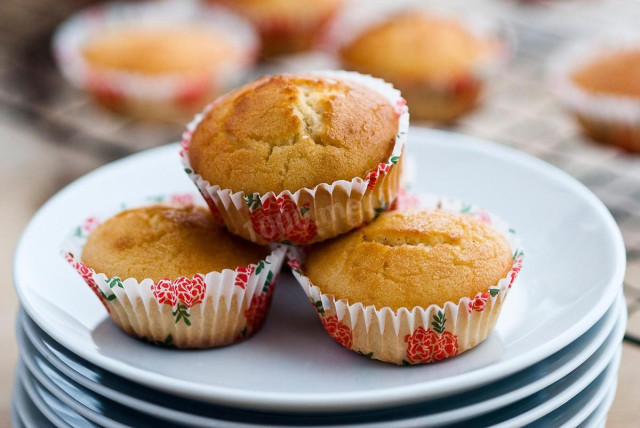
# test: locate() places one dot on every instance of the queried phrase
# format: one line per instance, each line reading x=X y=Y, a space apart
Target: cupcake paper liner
x=152 y=96
x=210 y=309
x=420 y=334
x=308 y=215
x=606 y=117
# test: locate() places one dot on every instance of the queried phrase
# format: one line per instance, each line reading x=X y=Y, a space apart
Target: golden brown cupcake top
x=416 y=46
x=159 y=50
x=291 y=132
x=614 y=74
x=166 y=241
x=411 y=258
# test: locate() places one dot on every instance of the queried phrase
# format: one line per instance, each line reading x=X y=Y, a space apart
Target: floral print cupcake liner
x=421 y=334
x=167 y=97
x=207 y=310
x=605 y=117
x=308 y=215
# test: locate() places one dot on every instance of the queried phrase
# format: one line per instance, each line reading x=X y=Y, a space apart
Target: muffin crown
x=289 y=132
x=165 y=241
x=615 y=73
x=412 y=258
x=417 y=46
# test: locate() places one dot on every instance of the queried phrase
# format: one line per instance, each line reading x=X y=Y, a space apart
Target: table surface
x=52 y=134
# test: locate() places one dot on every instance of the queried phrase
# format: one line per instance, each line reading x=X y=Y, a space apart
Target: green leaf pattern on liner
x=182 y=314
x=115 y=281
x=109 y=298
x=253 y=201
x=267 y=282
x=319 y=307
x=438 y=323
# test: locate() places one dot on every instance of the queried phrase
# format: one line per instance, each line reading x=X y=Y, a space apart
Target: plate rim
x=350 y=400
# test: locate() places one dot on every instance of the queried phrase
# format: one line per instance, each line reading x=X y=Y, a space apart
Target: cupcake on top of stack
x=169 y=275
x=299 y=158
x=437 y=63
x=413 y=286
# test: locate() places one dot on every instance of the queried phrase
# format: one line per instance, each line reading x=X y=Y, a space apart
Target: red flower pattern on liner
x=243 y=274
x=90 y=224
x=515 y=269
x=190 y=291
x=182 y=198
x=294 y=265
x=280 y=219
x=87 y=275
x=479 y=302
x=340 y=332
x=164 y=292
x=445 y=347
x=192 y=93
x=483 y=216
x=184 y=143
x=105 y=94
x=429 y=345
x=373 y=176
x=405 y=200
x=256 y=313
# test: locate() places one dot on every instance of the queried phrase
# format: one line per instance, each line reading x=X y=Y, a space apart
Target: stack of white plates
x=551 y=361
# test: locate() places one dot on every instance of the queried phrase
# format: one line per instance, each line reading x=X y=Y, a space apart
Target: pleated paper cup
x=207 y=310
x=442 y=100
x=308 y=215
x=420 y=334
x=171 y=97
x=608 y=118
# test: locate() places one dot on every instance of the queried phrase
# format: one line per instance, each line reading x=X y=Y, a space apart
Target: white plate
x=599 y=417
x=36 y=345
x=574 y=267
x=584 y=386
x=38 y=408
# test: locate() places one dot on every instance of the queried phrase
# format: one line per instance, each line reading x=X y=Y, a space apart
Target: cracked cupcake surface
x=411 y=258
x=166 y=241
x=289 y=132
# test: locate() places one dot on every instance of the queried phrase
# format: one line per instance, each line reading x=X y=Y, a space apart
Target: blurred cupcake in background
x=286 y=26
x=439 y=63
x=599 y=82
x=156 y=60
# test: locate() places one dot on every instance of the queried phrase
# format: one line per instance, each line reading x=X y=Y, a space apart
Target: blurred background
x=54 y=128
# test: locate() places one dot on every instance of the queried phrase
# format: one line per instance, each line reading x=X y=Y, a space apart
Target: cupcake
x=169 y=275
x=286 y=26
x=413 y=286
x=599 y=82
x=154 y=61
x=298 y=158
x=437 y=63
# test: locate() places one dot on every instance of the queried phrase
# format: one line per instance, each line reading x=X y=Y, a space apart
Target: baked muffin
x=169 y=274
x=436 y=62
x=439 y=276
x=286 y=26
x=609 y=77
x=162 y=63
x=311 y=156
